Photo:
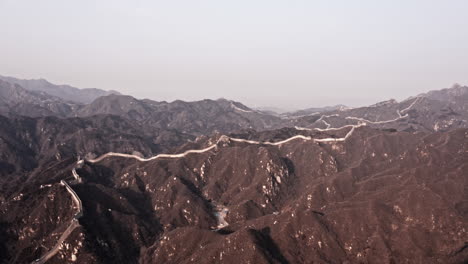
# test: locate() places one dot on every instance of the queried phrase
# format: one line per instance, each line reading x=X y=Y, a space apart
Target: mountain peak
x=65 y=92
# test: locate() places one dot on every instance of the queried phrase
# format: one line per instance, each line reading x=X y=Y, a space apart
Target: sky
x=285 y=54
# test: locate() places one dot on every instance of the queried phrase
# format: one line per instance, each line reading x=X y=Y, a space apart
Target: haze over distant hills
x=65 y=92
x=434 y=111
x=108 y=178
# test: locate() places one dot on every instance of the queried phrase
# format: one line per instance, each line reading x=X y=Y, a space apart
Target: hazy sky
x=290 y=54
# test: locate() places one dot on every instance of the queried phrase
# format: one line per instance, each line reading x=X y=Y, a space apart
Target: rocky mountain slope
x=314 y=110
x=198 y=117
x=15 y=100
x=122 y=180
x=65 y=92
x=456 y=94
x=435 y=111
x=375 y=196
x=30 y=145
x=442 y=110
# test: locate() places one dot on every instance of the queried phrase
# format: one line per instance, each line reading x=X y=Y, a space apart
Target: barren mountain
x=455 y=94
x=355 y=195
x=14 y=100
x=315 y=110
x=29 y=145
x=197 y=118
x=122 y=180
x=447 y=110
x=65 y=92
x=436 y=111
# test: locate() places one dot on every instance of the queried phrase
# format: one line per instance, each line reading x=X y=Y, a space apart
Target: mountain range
x=66 y=92
x=90 y=176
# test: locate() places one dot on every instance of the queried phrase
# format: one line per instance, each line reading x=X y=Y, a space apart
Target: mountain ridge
x=64 y=91
x=123 y=180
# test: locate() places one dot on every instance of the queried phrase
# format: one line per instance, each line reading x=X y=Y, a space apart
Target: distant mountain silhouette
x=15 y=100
x=65 y=92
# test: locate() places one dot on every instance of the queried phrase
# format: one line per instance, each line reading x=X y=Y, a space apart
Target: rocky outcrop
x=376 y=196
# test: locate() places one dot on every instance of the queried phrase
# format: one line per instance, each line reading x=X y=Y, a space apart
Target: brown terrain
x=381 y=184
